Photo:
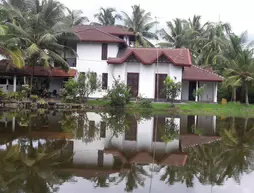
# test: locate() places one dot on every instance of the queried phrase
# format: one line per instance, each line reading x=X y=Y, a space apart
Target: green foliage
x=172 y=89
x=69 y=92
x=119 y=94
x=88 y=83
x=80 y=89
x=2 y=94
x=25 y=90
x=199 y=92
x=106 y=16
x=141 y=23
x=171 y=131
x=144 y=102
x=41 y=102
x=34 y=98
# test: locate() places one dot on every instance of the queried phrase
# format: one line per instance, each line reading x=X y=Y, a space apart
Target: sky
x=238 y=13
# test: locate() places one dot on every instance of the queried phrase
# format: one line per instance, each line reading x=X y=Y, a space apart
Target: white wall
x=89 y=58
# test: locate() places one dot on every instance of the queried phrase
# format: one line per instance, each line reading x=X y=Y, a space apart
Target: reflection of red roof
x=174 y=159
x=96 y=35
x=194 y=140
x=142 y=158
x=178 y=57
x=114 y=30
x=200 y=74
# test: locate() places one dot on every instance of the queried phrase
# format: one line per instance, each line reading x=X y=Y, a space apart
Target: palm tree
x=177 y=37
x=211 y=42
x=241 y=71
x=106 y=16
x=35 y=33
x=141 y=23
x=75 y=17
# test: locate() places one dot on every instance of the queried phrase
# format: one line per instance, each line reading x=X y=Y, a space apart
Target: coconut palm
x=211 y=42
x=141 y=23
x=241 y=71
x=75 y=17
x=106 y=16
x=35 y=33
x=177 y=36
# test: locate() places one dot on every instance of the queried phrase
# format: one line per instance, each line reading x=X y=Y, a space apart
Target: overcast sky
x=239 y=14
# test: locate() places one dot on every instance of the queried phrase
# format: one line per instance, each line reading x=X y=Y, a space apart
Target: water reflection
x=49 y=151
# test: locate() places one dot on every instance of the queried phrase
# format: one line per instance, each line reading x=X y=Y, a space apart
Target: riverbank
x=226 y=110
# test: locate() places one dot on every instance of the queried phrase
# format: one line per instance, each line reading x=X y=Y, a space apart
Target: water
x=120 y=152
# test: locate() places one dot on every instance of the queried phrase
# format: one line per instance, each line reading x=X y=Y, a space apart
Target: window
x=3 y=81
x=104 y=81
x=103 y=129
x=104 y=52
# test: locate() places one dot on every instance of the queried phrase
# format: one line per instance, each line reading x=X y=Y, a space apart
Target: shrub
x=2 y=94
x=86 y=84
x=41 y=102
x=144 y=103
x=34 y=98
x=25 y=90
x=172 y=89
x=119 y=94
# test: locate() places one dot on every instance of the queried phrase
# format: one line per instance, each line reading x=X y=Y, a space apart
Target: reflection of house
x=141 y=144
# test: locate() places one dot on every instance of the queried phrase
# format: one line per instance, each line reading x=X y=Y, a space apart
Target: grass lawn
x=229 y=109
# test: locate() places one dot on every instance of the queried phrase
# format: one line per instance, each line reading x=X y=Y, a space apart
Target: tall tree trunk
x=246 y=94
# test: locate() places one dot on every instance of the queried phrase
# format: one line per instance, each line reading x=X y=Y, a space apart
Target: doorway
x=192 y=88
x=159 y=86
x=133 y=82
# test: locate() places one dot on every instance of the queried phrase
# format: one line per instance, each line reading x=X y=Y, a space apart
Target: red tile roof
x=54 y=72
x=200 y=74
x=96 y=35
x=114 y=30
x=178 y=57
x=38 y=71
x=194 y=140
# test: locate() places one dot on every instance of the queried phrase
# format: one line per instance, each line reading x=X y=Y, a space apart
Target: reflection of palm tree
x=238 y=145
x=179 y=174
x=134 y=177
x=33 y=169
x=102 y=181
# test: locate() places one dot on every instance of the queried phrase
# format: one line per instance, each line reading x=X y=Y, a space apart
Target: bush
x=119 y=95
x=69 y=92
x=25 y=90
x=34 y=98
x=144 y=103
x=2 y=94
x=41 y=102
x=172 y=89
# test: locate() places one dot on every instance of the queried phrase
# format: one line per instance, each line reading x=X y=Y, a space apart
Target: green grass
x=229 y=109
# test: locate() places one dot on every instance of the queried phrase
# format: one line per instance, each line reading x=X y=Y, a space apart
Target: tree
x=241 y=71
x=119 y=94
x=172 y=89
x=177 y=37
x=199 y=92
x=106 y=16
x=34 y=30
x=141 y=23
x=75 y=17
x=86 y=84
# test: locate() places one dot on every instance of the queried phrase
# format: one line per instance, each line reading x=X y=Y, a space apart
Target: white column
x=15 y=83
x=24 y=80
x=215 y=92
x=196 y=97
x=13 y=124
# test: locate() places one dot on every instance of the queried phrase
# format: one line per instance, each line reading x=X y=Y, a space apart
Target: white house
x=108 y=51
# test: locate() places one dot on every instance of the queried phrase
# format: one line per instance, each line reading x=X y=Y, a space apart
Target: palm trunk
x=246 y=94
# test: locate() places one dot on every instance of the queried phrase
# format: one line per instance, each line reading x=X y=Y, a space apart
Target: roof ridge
x=109 y=34
x=208 y=71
